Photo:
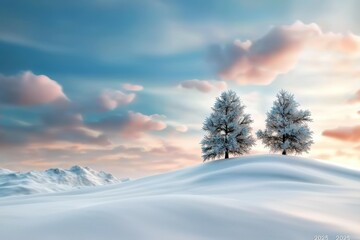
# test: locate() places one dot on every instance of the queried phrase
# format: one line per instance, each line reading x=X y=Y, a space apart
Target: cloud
x=259 y=62
x=56 y=124
x=131 y=125
x=60 y=118
x=75 y=135
x=14 y=136
x=132 y=87
x=59 y=122
x=28 y=89
x=349 y=134
x=110 y=99
x=204 y=85
x=136 y=124
x=181 y=128
x=355 y=98
x=107 y=100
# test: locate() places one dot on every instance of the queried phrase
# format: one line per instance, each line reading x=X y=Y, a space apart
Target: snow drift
x=51 y=180
x=254 y=197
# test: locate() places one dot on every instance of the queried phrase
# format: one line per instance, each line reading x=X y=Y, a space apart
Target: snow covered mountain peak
x=3 y=171
x=55 y=171
x=78 y=168
x=51 y=180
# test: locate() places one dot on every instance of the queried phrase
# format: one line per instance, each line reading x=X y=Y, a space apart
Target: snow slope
x=51 y=180
x=270 y=197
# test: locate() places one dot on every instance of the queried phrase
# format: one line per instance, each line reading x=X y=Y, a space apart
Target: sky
x=124 y=86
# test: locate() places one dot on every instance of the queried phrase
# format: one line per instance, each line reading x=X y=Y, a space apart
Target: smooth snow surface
x=51 y=180
x=270 y=197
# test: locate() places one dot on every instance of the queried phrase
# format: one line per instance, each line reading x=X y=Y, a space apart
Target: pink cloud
x=138 y=123
x=111 y=99
x=107 y=100
x=181 y=128
x=62 y=120
x=132 y=87
x=259 y=62
x=131 y=125
x=355 y=98
x=204 y=85
x=28 y=89
x=350 y=134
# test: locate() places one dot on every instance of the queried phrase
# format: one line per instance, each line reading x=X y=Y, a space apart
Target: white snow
x=51 y=180
x=270 y=197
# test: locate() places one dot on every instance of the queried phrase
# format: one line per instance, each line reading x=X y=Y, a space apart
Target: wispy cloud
x=204 y=86
x=130 y=125
x=132 y=87
x=110 y=99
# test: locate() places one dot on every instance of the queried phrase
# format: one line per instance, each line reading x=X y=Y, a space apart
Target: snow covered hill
x=255 y=197
x=51 y=180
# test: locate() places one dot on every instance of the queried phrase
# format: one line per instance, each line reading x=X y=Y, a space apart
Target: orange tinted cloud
x=350 y=134
x=355 y=98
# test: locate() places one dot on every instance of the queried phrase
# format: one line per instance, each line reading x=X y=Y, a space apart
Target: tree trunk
x=283 y=140
x=226 y=154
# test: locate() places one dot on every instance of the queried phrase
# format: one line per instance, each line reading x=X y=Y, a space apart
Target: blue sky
x=72 y=58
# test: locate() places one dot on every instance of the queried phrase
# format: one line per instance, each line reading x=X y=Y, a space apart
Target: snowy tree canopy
x=227 y=129
x=286 y=126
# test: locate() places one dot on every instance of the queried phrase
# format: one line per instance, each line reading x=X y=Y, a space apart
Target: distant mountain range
x=52 y=180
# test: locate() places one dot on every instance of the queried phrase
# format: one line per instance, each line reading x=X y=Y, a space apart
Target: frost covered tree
x=286 y=126
x=227 y=129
